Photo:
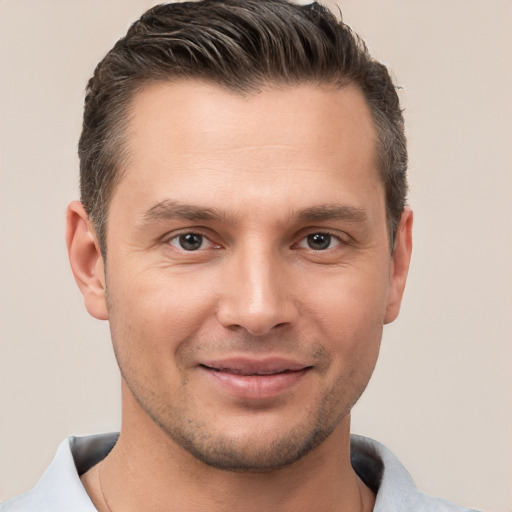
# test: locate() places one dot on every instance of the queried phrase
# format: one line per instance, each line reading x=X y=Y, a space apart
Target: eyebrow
x=332 y=212
x=172 y=210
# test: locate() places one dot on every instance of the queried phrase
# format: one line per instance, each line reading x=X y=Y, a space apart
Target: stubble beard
x=252 y=452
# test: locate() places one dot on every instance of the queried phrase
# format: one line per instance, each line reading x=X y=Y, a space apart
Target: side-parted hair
x=243 y=46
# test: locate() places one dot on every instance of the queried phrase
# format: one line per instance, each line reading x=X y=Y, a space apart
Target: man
x=243 y=228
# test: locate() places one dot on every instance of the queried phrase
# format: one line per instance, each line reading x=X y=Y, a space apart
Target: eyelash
x=204 y=237
x=331 y=238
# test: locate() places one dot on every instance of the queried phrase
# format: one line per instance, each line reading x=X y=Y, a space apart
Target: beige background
x=441 y=396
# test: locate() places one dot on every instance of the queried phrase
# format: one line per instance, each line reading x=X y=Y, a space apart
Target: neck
x=146 y=470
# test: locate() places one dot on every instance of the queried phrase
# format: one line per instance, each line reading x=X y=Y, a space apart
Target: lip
x=255 y=378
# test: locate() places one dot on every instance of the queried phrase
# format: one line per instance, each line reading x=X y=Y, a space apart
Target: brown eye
x=319 y=241
x=188 y=241
x=191 y=241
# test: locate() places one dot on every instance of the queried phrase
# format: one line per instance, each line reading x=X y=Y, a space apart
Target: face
x=248 y=270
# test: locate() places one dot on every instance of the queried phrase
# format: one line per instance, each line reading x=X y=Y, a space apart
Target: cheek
x=348 y=314
x=349 y=299
x=152 y=313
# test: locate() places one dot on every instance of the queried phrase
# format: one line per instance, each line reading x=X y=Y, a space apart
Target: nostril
x=257 y=313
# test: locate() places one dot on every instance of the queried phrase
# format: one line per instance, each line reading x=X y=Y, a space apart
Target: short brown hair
x=242 y=45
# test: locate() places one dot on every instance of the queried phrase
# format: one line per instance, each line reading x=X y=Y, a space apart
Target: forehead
x=198 y=139
x=310 y=115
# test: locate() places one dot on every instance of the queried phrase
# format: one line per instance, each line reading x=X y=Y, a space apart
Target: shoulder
x=394 y=487
x=60 y=488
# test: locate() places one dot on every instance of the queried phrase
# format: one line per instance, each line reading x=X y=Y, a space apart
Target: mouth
x=255 y=379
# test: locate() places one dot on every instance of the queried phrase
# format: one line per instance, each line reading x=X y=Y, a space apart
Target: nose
x=257 y=293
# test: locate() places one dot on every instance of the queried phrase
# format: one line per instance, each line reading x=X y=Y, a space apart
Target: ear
x=399 y=265
x=86 y=260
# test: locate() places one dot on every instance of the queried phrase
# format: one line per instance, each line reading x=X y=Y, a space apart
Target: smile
x=255 y=380
x=249 y=372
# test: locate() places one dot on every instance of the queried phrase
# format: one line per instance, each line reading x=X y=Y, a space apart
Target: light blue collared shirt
x=60 y=488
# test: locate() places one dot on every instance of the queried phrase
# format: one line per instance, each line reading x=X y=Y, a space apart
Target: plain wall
x=440 y=397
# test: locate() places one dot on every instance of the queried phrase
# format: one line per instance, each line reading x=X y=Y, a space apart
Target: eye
x=191 y=242
x=319 y=241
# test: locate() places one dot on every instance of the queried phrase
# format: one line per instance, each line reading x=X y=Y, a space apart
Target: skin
x=291 y=269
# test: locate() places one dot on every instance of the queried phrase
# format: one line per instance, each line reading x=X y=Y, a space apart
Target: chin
x=252 y=454
x=253 y=448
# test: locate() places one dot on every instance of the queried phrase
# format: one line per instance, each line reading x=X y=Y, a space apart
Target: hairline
x=121 y=132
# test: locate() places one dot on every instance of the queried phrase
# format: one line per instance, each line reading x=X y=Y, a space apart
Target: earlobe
x=399 y=265
x=86 y=260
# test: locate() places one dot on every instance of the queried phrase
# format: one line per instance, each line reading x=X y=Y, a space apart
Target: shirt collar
x=60 y=488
